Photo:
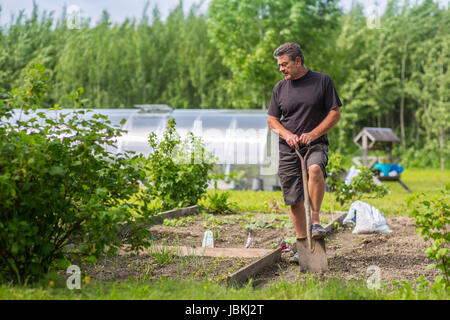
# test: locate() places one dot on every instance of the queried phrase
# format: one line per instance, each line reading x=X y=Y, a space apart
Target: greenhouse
x=239 y=139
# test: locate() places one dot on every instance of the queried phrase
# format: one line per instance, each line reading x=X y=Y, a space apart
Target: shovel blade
x=314 y=260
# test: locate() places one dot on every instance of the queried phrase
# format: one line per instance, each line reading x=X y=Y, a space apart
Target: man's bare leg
x=298 y=219
x=316 y=188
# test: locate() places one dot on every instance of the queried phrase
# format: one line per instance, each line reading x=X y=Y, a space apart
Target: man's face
x=290 y=69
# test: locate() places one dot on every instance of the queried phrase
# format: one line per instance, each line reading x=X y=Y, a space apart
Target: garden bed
x=399 y=255
x=180 y=255
x=164 y=265
x=230 y=231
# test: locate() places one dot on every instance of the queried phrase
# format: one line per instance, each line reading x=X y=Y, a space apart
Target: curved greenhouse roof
x=235 y=137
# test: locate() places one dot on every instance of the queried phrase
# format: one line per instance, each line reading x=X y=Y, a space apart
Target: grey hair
x=291 y=49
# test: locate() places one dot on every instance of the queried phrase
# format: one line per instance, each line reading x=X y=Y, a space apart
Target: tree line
x=390 y=70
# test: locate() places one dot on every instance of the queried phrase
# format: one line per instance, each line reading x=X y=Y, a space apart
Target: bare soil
x=146 y=267
x=398 y=255
x=226 y=235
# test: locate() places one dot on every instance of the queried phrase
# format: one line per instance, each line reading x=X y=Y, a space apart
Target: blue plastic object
x=396 y=167
x=383 y=167
x=387 y=167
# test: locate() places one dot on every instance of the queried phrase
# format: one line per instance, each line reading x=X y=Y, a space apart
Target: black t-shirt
x=303 y=103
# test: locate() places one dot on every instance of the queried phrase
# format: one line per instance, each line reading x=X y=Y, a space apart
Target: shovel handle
x=306 y=195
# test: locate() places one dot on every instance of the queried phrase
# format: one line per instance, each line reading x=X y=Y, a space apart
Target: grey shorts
x=290 y=171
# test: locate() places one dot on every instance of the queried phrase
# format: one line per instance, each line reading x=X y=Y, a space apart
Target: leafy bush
x=217 y=202
x=334 y=170
x=426 y=156
x=59 y=186
x=360 y=186
x=432 y=218
x=177 y=170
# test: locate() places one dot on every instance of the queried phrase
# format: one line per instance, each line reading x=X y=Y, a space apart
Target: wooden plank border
x=173 y=214
x=253 y=268
x=159 y=218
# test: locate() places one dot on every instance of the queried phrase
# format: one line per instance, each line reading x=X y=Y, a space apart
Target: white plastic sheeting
x=235 y=137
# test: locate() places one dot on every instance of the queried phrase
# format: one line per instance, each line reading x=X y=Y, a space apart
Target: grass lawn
x=428 y=181
x=307 y=288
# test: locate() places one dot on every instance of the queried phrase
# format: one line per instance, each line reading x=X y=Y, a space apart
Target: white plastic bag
x=368 y=219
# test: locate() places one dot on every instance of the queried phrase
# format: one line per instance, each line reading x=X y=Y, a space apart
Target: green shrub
x=361 y=186
x=217 y=202
x=177 y=170
x=59 y=186
x=432 y=218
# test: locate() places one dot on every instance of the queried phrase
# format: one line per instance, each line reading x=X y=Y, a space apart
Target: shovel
x=311 y=253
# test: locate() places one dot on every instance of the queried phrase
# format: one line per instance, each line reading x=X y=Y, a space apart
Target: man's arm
x=306 y=138
x=326 y=125
x=275 y=125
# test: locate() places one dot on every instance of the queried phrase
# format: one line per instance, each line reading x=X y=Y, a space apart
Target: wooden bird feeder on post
x=377 y=139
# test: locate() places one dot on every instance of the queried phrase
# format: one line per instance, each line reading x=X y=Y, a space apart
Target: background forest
x=390 y=70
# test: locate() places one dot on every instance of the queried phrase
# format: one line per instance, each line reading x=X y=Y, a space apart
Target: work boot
x=318 y=232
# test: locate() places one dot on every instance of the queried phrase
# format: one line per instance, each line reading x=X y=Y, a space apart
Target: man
x=303 y=108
